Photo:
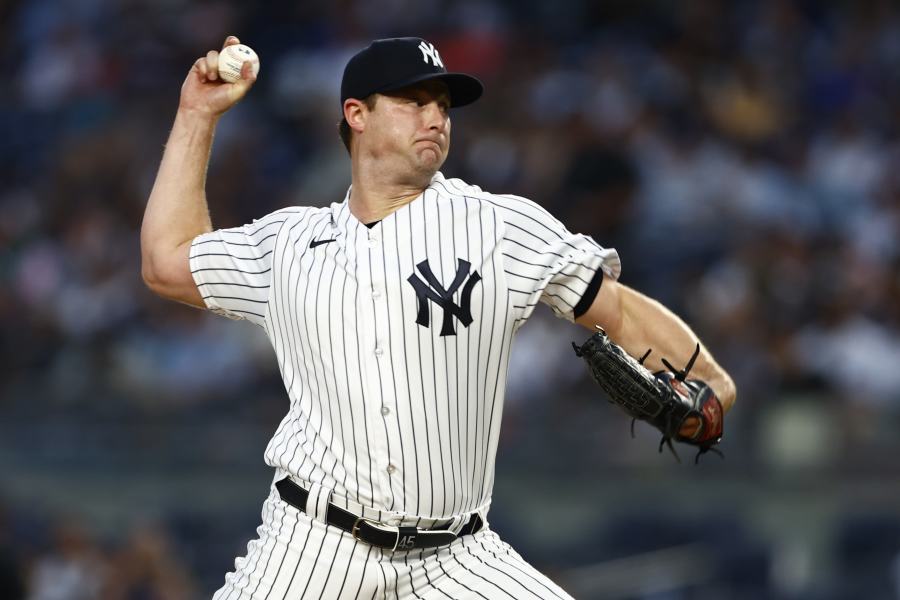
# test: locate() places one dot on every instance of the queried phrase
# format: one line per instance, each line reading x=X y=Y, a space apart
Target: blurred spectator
x=740 y=155
x=73 y=569
x=146 y=568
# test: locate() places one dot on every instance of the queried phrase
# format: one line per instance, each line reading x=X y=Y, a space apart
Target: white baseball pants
x=296 y=556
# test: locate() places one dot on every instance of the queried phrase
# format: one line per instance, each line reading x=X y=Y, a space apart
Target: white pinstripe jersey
x=393 y=341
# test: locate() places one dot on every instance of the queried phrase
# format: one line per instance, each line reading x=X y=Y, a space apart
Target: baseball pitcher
x=392 y=313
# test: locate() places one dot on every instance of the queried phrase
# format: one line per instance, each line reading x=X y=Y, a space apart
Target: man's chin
x=429 y=162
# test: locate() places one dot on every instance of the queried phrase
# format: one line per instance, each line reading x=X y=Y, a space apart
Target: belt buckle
x=355 y=529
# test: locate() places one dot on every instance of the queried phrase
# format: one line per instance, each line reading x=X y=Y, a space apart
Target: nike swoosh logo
x=315 y=243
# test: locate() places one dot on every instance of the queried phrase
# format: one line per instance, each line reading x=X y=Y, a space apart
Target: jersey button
x=391 y=469
x=376 y=294
x=385 y=410
x=378 y=351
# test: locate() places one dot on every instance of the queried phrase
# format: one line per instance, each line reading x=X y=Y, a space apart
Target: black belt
x=366 y=530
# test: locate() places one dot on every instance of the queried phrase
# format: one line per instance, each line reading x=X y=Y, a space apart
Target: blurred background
x=741 y=155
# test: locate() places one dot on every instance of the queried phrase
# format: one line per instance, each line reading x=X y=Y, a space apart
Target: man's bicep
x=606 y=309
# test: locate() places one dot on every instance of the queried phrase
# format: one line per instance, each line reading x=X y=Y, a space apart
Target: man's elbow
x=170 y=278
x=148 y=273
x=152 y=276
x=159 y=285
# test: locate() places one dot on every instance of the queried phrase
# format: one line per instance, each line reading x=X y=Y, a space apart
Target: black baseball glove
x=665 y=399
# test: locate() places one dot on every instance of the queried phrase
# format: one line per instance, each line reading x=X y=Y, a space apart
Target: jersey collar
x=343 y=221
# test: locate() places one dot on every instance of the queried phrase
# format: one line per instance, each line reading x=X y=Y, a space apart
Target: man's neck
x=375 y=195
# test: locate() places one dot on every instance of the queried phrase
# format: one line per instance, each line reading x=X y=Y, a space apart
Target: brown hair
x=344 y=128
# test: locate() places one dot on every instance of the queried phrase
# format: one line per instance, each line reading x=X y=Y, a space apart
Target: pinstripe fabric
x=297 y=557
x=393 y=342
x=477 y=566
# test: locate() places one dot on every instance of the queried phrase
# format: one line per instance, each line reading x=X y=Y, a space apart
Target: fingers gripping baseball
x=212 y=65
x=209 y=89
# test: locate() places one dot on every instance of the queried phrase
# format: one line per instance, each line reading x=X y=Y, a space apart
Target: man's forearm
x=177 y=211
x=645 y=324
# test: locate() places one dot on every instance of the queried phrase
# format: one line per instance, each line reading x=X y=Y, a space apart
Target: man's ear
x=355 y=112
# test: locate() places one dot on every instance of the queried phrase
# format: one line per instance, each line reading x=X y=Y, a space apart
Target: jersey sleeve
x=545 y=262
x=233 y=267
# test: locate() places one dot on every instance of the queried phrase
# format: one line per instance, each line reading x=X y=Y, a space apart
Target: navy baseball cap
x=394 y=63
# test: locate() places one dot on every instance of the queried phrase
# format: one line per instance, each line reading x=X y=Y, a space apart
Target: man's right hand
x=204 y=92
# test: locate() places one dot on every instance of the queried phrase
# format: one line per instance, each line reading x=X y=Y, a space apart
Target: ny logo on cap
x=429 y=51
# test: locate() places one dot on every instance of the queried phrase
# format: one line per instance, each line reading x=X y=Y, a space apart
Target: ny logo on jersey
x=434 y=291
x=429 y=51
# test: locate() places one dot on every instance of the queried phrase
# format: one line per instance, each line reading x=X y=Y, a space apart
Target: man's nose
x=434 y=116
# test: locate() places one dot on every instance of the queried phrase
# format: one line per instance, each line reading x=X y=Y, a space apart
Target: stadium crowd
x=742 y=157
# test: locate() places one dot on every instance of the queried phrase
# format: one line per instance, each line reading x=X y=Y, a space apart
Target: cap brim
x=463 y=89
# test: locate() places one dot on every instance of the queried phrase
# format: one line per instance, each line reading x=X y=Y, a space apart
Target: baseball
x=231 y=59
